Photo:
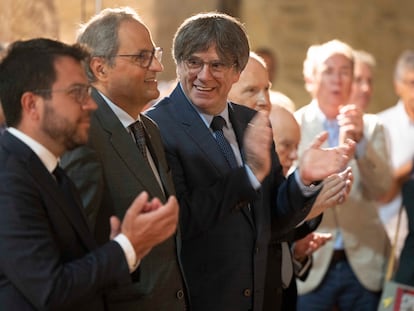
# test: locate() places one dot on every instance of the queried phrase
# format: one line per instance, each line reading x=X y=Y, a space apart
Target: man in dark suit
x=229 y=189
x=49 y=259
x=111 y=170
x=405 y=270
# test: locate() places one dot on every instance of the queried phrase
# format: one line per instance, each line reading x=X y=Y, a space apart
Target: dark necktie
x=137 y=129
x=71 y=194
x=64 y=183
x=217 y=127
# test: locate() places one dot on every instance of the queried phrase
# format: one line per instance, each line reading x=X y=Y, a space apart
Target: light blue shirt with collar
x=228 y=132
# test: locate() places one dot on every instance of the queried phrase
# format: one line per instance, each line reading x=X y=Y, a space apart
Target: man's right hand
x=257 y=144
x=148 y=223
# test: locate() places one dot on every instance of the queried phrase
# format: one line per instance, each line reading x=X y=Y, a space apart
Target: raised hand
x=309 y=244
x=148 y=223
x=351 y=124
x=335 y=190
x=318 y=163
x=257 y=144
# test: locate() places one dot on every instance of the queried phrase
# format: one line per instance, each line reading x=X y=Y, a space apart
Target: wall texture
x=288 y=27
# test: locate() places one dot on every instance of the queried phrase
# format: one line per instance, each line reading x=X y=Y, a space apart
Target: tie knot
x=217 y=123
x=137 y=126
x=58 y=173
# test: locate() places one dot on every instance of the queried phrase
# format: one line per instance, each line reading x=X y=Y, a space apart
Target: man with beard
x=49 y=259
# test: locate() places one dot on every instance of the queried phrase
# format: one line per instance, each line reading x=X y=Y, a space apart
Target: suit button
x=247 y=292
x=180 y=294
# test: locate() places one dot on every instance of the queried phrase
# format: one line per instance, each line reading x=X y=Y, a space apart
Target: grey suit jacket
x=366 y=242
x=110 y=172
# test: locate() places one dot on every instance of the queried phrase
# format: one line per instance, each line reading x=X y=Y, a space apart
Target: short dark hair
x=204 y=30
x=29 y=66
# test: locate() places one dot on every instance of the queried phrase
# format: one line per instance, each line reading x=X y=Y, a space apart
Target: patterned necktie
x=137 y=129
x=217 y=127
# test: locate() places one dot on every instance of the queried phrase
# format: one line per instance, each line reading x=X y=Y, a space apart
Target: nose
x=204 y=73
x=262 y=103
x=365 y=87
x=293 y=154
x=89 y=104
x=156 y=65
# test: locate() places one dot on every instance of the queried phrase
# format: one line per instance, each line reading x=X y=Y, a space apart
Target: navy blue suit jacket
x=48 y=256
x=405 y=271
x=224 y=247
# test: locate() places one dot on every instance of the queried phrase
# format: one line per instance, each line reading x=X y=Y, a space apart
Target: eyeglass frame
x=200 y=65
x=80 y=97
x=139 y=58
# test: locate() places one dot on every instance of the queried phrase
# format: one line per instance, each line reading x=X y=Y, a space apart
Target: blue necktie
x=217 y=127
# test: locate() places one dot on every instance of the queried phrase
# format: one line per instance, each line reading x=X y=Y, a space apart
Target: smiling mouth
x=203 y=88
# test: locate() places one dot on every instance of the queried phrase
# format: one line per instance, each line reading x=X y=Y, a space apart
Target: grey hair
x=364 y=57
x=405 y=62
x=204 y=30
x=100 y=33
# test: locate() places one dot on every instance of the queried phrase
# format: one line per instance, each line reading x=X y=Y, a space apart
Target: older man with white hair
x=349 y=270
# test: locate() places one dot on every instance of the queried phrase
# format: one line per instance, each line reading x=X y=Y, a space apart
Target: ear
x=31 y=105
x=99 y=68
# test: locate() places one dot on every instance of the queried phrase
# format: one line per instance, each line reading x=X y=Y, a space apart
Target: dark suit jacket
x=49 y=259
x=275 y=297
x=224 y=247
x=110 y=171
x=405 y=271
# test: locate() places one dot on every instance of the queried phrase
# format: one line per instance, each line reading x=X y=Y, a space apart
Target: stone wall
x=288 y=27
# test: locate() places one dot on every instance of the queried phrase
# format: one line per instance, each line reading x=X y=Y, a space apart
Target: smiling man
x=357 y=253
x=229 y=181
x=49 y=259
x=124 y=155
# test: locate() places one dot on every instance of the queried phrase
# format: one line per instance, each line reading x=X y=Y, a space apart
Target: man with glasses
x=124 y=155
x=348 y=271
x=49 y=259
x=229 y=182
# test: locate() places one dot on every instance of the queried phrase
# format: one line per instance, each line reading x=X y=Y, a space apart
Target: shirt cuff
x=253 y=180
x=300 y=268
x=129 y=251
x=307 y=191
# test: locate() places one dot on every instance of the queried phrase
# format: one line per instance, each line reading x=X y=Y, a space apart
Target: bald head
x=252 y=89
x=286 y=134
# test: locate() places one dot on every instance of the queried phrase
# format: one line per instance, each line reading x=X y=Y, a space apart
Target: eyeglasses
x=144 y=58
x=217 y=67
x=79 y=92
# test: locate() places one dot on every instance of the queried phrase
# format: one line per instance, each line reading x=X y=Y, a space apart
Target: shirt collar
x=208 y=118
x=121 y=114
x=48 y=158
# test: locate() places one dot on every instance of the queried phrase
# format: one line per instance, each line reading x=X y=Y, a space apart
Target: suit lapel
x=123 y=145
x=35 y=168
x=198 y=132
x=156 y=148
x=239 y=129
x=202 y=137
